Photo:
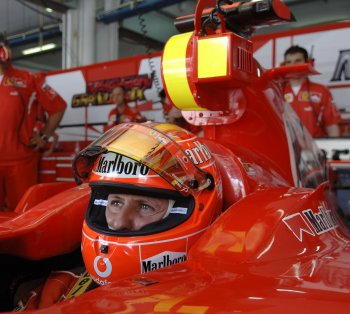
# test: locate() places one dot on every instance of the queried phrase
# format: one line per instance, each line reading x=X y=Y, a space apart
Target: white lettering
x=116 y=165
x=161 y=260
x=100 y=202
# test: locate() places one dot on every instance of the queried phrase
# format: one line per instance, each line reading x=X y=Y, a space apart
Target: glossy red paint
x=283 y=72
x=244 y=263
x=51 y=227
x=280 y=245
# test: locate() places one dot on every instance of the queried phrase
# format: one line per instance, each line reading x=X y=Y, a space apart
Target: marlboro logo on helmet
x=114 y=164
x=157 y=152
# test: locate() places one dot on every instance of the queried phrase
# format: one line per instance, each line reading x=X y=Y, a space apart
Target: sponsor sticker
x=103 y=269
x=308 y=108
x=179 y=210
x=310 y=222
x=198 y=154
x=116 y=165
x=161 y=260
x=304 y=96
x=288 y=97
x=315 y=98
x=297 y=224
x=100 y=202
x=322 y=221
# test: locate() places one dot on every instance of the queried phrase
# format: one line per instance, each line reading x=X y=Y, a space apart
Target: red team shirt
x=20 y=95
x=128 y=115
x=314 y=106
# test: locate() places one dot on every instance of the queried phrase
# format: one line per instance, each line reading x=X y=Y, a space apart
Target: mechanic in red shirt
x=122 y=112
x=312 y=102
x=21 y=93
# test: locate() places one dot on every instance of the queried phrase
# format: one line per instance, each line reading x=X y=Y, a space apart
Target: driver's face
x=132 y=212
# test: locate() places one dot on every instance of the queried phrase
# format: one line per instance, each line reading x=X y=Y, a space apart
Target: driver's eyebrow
x=145 y=200
x=113 y=198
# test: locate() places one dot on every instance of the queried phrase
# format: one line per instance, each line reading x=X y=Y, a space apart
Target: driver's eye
x=145 y=206
x=115 y=203
x=147 y=210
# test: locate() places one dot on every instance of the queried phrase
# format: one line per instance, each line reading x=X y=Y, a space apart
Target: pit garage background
x=87 y=89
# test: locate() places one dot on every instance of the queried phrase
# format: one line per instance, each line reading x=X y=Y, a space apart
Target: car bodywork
x=280 y=245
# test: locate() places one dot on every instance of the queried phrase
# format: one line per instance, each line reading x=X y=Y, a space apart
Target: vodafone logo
x=102 y=268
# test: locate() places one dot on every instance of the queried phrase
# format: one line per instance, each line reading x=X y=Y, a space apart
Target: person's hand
x=48 y=152
x=37 y=141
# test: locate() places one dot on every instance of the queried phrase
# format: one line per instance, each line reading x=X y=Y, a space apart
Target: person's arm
x=52 y=123
x=333 y=130
x=331 y=115
x=39 y=141
x=53 y=104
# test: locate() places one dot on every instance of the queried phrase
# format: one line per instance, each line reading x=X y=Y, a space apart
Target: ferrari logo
x=304 y=96
x=288 y=97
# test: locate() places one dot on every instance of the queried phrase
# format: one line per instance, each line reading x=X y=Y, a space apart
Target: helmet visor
x=154 y=149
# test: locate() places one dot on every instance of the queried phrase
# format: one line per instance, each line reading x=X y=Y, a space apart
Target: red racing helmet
x=156 y=160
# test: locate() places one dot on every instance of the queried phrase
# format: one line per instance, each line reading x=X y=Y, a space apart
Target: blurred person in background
x=21 y=93
x=122 y=111
x=312 y=102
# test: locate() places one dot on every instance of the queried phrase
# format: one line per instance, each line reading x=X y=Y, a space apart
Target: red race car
x=251 y=222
